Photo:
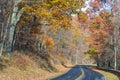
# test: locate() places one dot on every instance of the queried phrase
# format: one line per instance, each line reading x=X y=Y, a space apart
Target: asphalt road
x=72 y=74
x=89 y=74
x=76 y=71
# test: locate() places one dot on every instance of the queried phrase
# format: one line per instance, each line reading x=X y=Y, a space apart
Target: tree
x=41 y=17
x=100 y=25
x=8 y=22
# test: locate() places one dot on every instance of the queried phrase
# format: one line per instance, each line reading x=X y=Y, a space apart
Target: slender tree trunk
x=8 y=24
x=116 y=35
x=14 y=20
x=77 y=50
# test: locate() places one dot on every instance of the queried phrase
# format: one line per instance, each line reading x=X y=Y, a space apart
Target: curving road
x=89 y=74
x=76 y=71
x=72 y=74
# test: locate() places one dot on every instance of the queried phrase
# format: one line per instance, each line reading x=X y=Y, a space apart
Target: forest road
x=83 y=72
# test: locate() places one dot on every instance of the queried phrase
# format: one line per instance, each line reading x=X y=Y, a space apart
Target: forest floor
x=13 y=73
x=23 y=67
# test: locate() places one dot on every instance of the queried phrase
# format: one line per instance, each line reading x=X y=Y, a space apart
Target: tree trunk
x=8 y=21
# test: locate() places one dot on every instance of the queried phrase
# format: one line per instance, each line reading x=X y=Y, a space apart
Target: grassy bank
x=108 y=76
x=24 y=67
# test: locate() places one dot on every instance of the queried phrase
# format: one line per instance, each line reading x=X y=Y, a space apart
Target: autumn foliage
x=44 y=17
x=48 y=42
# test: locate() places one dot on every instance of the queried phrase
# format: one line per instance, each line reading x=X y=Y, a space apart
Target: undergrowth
x=28 y=66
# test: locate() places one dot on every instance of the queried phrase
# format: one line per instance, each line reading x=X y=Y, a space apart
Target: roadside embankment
x=109 y=74
x=24 y=67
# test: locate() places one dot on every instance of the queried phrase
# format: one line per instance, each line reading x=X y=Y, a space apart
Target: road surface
x=89 y=74
x=75 y=72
